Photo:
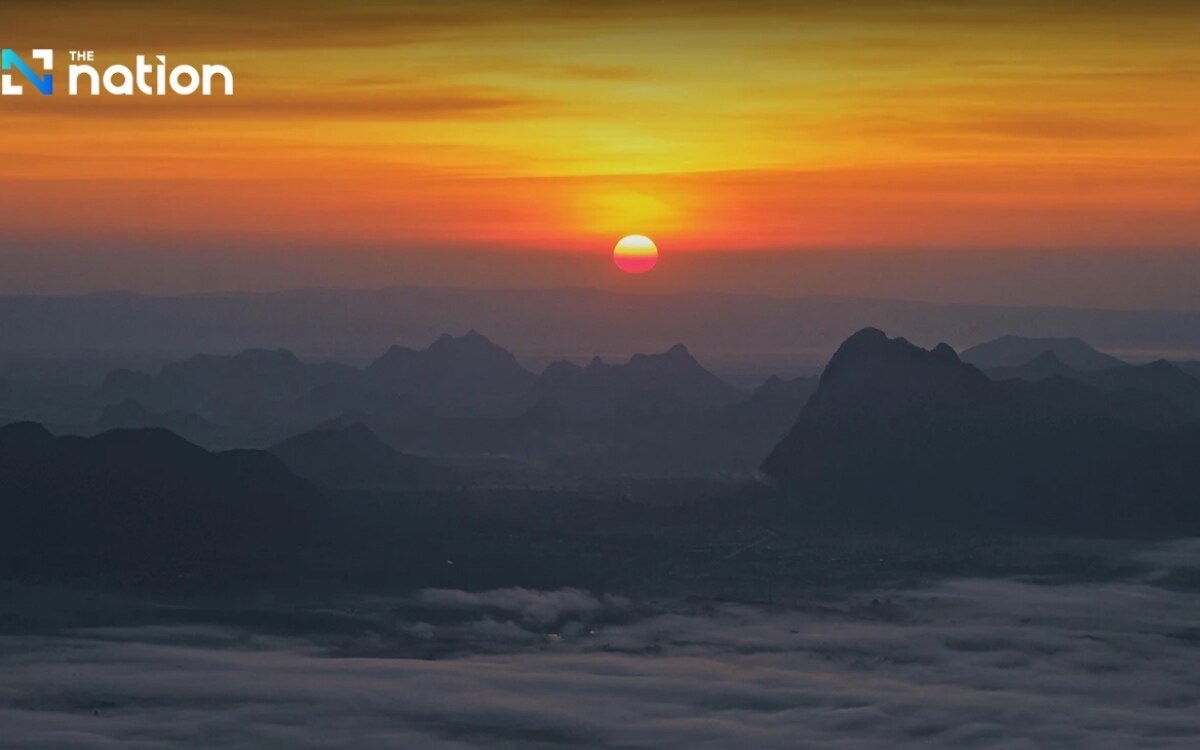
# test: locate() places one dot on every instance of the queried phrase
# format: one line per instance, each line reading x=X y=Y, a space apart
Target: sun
x=636 y=253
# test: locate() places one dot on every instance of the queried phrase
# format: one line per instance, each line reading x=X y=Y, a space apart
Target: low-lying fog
x=995 y=663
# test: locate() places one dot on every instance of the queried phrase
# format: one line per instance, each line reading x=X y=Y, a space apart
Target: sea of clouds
x=964 y=663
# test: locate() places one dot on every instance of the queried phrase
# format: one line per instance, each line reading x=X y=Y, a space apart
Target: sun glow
x=635 y=253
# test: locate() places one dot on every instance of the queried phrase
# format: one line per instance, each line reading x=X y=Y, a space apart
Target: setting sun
x=635 y=253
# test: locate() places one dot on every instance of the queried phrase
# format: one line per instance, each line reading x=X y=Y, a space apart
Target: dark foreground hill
x=898 y=435
x=146 y=505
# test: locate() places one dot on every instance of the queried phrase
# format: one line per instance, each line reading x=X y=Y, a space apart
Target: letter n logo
x=43 y=83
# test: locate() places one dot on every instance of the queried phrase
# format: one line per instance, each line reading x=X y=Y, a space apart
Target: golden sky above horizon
x=708 y=126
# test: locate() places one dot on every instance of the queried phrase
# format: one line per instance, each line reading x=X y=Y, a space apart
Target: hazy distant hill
x=1191 y=368
x=353 y=457
x=670 y=382
x=1016 y=351
x=553 y=322
x=254 y=386
x=896 y=434
x=1045 y=365
x=771 y=406
x=1159 y=378
x=463 y=376
x=130 y=414
x=146 y=505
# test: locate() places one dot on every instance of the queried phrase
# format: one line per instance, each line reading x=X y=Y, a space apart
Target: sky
x=500 y=143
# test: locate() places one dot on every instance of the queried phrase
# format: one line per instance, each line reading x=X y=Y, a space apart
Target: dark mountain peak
x=349 y=455
x=24 y=433
x=869 y=345
x=945 y=352
x=150 y=442
x=560 y=369
x=870 y=352
x=872 y=379
x=868 y=336
x=1162 y=366
x=471 y=344
x=677 y=359
x=597 y=364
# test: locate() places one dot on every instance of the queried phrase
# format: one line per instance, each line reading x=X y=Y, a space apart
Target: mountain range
x=1015 y=351
x=354 y=325
x=463 y=376
x=671 y=382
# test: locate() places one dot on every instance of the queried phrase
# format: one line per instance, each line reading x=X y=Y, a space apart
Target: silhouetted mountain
x=771 y=408
x=670 y=382
x=146 y=505
x=345 y=398
x=1160 y=377
x=255 y=386
x=1191 y=368
x=22 y=442
x=896 y=434
x=872 y=380
x=464 y=376
x=1015 y=351
x=1045 y=365
x=362 y=323
x=353 y=457
x=130 y=414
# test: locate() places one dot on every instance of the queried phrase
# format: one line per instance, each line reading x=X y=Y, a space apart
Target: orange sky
x=381 y=127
